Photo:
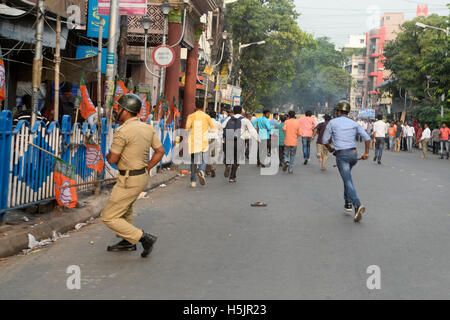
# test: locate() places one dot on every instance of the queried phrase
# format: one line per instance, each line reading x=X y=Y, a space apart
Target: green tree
x=269 y=69
x=419 y=59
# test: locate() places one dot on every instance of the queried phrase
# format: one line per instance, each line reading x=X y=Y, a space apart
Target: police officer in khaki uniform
x=130 y=152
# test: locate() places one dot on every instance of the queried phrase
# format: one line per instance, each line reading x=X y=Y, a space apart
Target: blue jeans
x=345 y=161
x=289 y=156
x=445 y=145
x=306 y=142
x=391 y=143
x=379 y=147
x=197 y=158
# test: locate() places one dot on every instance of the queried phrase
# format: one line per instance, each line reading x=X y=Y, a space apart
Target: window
x=361 y=41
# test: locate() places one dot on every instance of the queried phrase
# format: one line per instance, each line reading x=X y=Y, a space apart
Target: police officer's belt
x=132 y=172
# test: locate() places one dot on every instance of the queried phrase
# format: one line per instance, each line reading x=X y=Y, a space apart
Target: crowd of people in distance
x=404 y=136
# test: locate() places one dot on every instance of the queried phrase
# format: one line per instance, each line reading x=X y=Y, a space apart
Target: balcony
x=136 y=32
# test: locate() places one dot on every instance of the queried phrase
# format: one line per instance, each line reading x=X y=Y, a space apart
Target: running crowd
x=280 y=132
x=393 y=136
x=337 y=136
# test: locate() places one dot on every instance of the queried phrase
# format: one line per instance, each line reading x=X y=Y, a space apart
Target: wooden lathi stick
x=91 y=182
x=53 y=155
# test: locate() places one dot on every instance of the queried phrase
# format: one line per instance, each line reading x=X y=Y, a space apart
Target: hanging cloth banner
x=64 y=175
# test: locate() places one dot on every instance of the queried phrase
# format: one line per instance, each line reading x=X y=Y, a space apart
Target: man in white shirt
x=405 y=135
x=425 y=139
x=410 y=137
x=379 y=135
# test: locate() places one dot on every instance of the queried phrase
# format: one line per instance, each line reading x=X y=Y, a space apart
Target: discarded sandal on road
x=259 y=204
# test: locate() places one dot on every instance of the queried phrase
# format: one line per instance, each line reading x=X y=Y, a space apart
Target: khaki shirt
x=132 y=140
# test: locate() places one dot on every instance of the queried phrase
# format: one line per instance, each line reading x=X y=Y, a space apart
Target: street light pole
x=205 y=101
x=165 y=9
x=242 y=46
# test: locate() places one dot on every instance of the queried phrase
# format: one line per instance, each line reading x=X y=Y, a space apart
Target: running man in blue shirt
x=264 y=129
x=343 y=132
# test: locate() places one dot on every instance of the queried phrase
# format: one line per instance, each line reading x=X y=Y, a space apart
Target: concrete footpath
x=14 y=242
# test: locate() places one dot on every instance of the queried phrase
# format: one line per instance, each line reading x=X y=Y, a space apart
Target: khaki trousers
x=118 y=212
x=397 y=144
x=322 y=153
x=425 y=147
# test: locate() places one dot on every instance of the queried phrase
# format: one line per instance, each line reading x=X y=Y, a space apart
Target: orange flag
x=64 y=175
x=94 y=157
x=121 y=89
x=87 y=108
x=145 y=109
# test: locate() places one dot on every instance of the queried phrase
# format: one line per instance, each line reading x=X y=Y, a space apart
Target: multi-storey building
x=376 y=39
x=355 y=67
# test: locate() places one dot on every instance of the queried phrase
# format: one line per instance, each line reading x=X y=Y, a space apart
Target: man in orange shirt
x=307 y=125
x=392 y=131
x=292 y=129
x=444 y=133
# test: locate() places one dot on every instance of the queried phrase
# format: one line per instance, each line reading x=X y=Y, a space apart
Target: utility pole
x=99 y=92
x=217 y=87
x=111 y=58
x=99 y=70
x=57 y=65
x=123 y=47
x=162 y=77
x=37 y=61
x=205 y=102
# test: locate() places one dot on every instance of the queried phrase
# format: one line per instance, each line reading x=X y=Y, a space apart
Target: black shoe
x=123 y=245
x=359 y=212
x=379 y=162
x=147 y=241
x=375 y=158
x=286 y=165
x=348 y=207
x=306 y=162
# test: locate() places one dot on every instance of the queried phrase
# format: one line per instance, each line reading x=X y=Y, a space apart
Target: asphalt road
x=213 y=245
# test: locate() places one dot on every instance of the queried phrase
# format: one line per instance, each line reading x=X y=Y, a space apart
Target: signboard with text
x=366 y=113
x=164 y=56
x=86 y=52
x=94 y=20
x=126 y=7
x=231 y=95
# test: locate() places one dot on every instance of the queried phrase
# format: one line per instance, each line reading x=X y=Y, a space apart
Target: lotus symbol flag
x=94 y=157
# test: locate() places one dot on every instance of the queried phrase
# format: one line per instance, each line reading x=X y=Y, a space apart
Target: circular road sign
x=164 y=56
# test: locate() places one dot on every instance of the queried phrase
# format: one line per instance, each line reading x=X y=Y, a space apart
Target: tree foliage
x=419 y=59
x=292 y=67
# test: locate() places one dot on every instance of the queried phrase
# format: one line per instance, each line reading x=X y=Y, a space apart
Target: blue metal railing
x=26 y=173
